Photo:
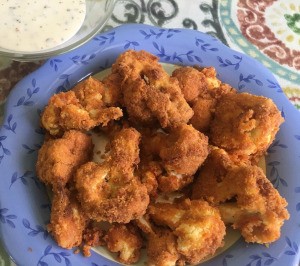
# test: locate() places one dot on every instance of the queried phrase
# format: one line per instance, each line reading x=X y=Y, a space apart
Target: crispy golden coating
x=126 y=240
x=124 y=151
x=181 y=153
x=149 y=171
x=245 y=124
x=112 y=95
x=81 y=108
x=149 y=93
x=173 y=182
x=213 y=171
x=131 y=64
x=107 y=198
x=263 y=210
x=223 y=89
x=259 y=210
x=197 y=226
x=184 y=150
x=192 y=82
x=161 y=244
x=110 y=191
x=203 y=114
x=93 y=236
x=212 y=82
x=67 y=221
x=58 y=159
x=201 y=89
x=204 y=107
x=196 y=82
x=161 y=249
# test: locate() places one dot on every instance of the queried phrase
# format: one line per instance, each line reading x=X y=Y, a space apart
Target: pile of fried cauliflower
x=180 y=164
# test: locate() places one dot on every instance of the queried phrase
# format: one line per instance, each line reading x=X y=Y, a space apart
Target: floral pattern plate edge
x=24 y=206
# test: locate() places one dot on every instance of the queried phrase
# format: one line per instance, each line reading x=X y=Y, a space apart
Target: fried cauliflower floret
x=213 y=171
x=161 y=244
x=58 y=159
x=124 y=151
x=149 y=93
x=192 y=82
x=197 y=226
x=196 y=81
x=81 y=108
x=259 y=211
x=201 y=89
x=203 y=114
x=126 y=240
x=161 y=249
x=211 y=79
x=67 y=221
x=184 y=150
x=263 y=210
x=108 y=198
x=245 y=124
x=204 y=107
x=110 y=191
x=181 y=153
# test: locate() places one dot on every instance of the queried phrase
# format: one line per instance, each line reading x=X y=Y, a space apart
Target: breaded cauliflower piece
x=126 y=240
x=124 y=151
x=161 y=249
x=184 y=150
x=211 y=79
x=211 y=174
x=110 y=191
x=180 y=153
x=192 y=82
x=81 y=108
x=204 y=106
x=58 y=159
x=197 y=226
x=67 y=221
x=110 y=198
x=201 y=89
x=161 y=244
x=259 y=211
x=245 y=124
x=149 y=93
x=203 y=113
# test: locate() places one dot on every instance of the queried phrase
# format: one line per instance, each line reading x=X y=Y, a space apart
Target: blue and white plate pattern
x=24 y=206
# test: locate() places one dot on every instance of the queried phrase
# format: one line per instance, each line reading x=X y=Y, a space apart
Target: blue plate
x=24 y=206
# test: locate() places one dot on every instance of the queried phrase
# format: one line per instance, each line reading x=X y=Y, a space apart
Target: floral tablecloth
x=267 y=30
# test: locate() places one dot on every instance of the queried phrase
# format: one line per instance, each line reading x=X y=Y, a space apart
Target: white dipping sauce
x=35 y=25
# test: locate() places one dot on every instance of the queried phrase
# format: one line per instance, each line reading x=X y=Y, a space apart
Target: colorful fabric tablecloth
x=266 y=30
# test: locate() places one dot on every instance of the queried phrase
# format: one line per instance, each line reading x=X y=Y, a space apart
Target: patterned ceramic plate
x=24 y=206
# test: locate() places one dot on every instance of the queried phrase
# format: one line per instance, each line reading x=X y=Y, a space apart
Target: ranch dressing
x=35 y=25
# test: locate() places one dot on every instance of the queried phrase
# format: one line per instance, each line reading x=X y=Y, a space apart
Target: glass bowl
x=97 y=13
